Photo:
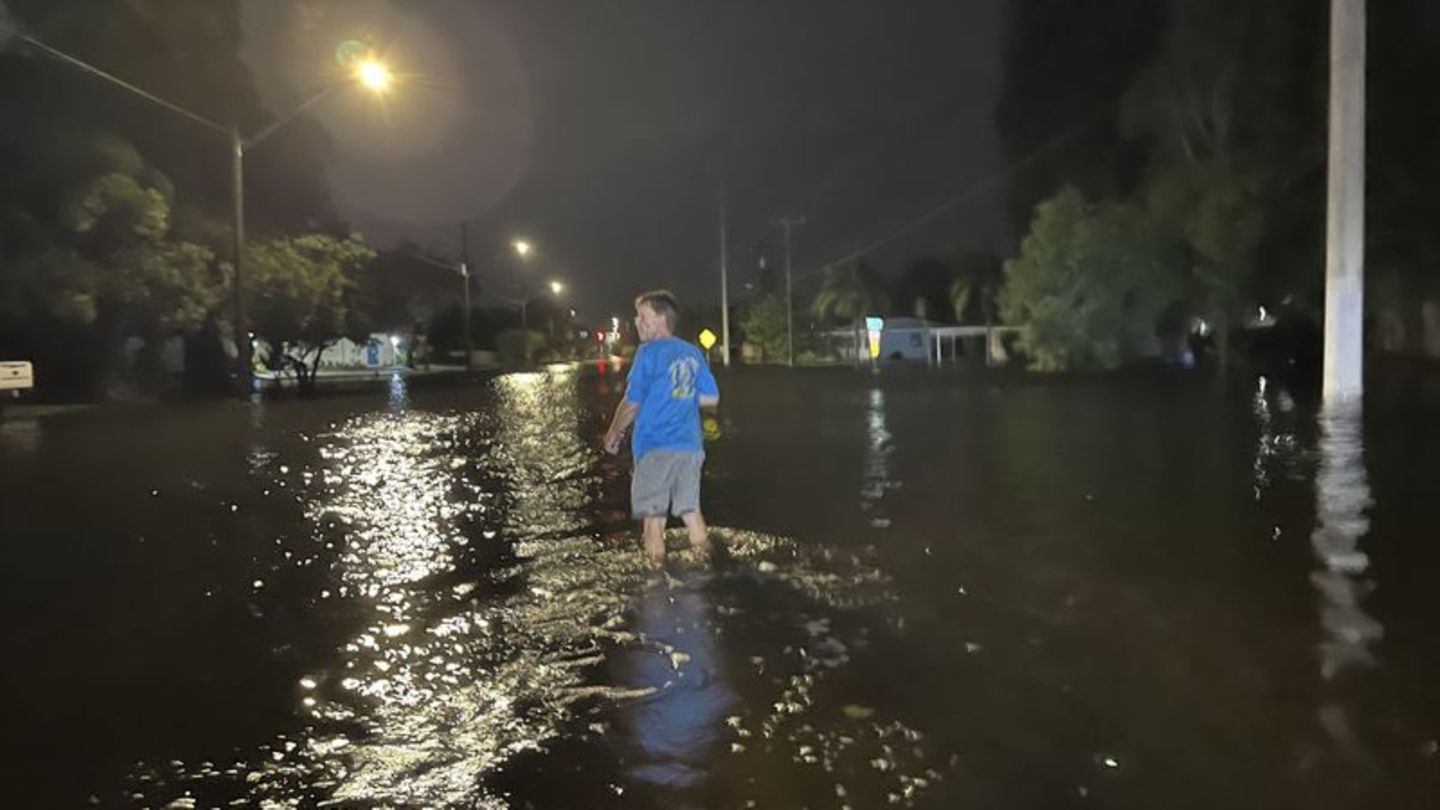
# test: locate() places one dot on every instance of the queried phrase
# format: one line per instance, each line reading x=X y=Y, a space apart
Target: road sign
x=707 y=339
x=873 y=325
x=16 y=375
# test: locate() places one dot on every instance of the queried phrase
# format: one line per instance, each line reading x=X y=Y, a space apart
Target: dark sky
x=598 y=128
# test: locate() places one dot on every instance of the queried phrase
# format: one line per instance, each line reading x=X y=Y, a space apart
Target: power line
x=113 y=79
x=1011 y=83
x=969 y=192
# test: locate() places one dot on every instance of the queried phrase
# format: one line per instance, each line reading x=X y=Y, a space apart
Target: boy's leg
x=650 y=499
x=686 y=499
x=653 y=534
x=695 y=526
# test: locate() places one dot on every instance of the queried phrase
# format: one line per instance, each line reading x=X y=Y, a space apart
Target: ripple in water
x=487 y=610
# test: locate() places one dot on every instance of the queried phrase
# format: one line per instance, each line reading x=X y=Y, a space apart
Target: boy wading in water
x=669 y=383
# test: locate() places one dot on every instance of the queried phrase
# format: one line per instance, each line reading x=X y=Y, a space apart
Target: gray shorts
x=666 y=481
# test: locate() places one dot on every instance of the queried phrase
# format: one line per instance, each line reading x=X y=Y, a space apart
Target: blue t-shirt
x=667 y=380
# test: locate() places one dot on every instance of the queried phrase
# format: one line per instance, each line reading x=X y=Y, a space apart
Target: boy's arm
x=635 y=385
x=708 y=390
x=624 y=415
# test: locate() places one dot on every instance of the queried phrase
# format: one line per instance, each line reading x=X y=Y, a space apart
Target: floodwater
x=937 y=590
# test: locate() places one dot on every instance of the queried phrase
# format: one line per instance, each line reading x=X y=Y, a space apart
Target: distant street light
x=366 y=71
x=521 y=248
x=556 y=287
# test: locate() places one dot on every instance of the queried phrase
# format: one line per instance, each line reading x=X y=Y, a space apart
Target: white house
x=917 y=340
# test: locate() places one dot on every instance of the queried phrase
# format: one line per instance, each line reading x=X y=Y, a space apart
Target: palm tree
x=849 y=292
x=977 y=279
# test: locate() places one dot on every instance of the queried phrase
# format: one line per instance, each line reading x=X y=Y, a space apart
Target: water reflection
x=876 y=481
x=19 y=435
x=1342 y=498
x=399 y=393
x=482 y=608
x=1273 y=409
x=680 y=727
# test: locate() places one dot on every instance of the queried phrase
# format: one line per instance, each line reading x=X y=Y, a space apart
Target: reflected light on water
x=1342 y=498
x=480 y=607
x=878 y=447
x=399 y=390
x=1275 y=445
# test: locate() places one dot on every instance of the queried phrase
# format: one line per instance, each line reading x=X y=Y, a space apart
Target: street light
x=522 y=248
x=368 y=72
x=374 y=75
x=556 y=287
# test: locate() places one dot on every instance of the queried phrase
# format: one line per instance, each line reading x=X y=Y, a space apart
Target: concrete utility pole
x=724 y=284
x=786 y=223
x=1345 y=209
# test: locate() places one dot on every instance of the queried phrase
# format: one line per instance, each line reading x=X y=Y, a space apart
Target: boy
x=668 y=384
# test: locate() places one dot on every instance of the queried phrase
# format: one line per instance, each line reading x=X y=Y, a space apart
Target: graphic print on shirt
x=682 y=377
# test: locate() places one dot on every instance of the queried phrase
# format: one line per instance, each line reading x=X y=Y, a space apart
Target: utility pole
x=465 y=283
x=243 y=349
x=1345 y=207
x=724 y=284
x=786 y=223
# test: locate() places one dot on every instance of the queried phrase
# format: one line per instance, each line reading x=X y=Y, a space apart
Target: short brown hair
x=662 y=303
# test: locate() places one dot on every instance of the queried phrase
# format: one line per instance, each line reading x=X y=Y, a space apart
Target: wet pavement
x=936 y=590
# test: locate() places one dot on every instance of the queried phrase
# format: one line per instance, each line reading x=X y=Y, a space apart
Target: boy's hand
x=612 y=443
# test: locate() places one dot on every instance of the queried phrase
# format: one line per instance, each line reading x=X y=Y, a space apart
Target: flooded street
x=935 y=590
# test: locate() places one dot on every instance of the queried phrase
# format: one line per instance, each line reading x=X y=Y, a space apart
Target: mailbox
x=16 y=375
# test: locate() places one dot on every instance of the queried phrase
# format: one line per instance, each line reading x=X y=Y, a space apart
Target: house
x=917 y=340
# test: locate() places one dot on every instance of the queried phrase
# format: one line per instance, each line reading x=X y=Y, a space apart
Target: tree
x=923 y=288
x=1089 y=285
x=1214 y=212
x=98 y=243
x=976 y=287
x=1066 y=64
x=90 y=258
x=850 y=292
x=188 y=53
x=1216 y=105
x=1403 y=171
x=764 y=326
x=299 y=290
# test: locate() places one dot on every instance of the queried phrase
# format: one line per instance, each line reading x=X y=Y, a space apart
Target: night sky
x=600 y=129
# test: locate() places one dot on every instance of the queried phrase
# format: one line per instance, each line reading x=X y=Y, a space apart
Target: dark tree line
x=1187 y=184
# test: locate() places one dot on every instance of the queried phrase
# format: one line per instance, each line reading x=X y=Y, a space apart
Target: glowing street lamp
x=522 y=248
x=367 y=71
x=374 y=75
x=556 y=287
